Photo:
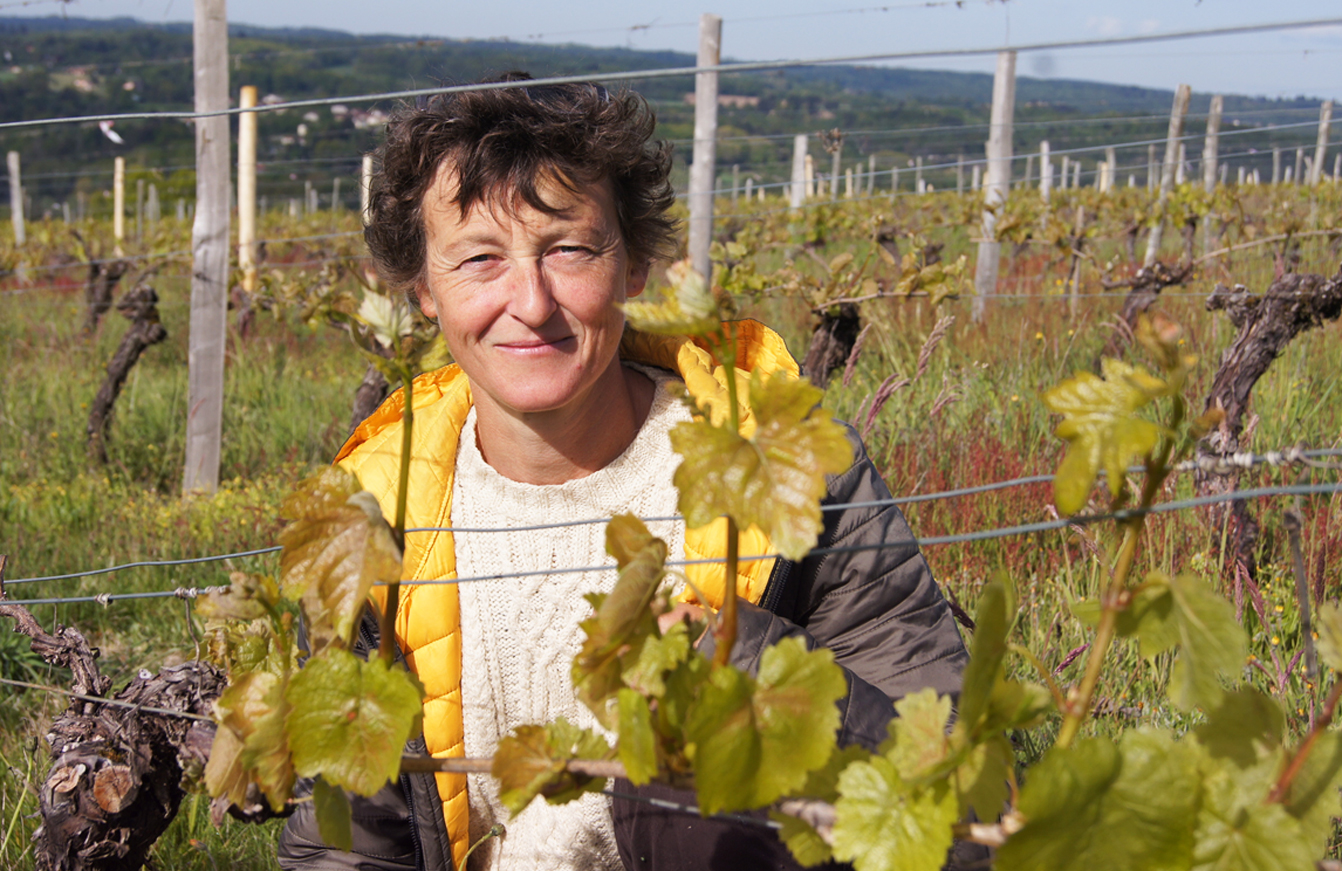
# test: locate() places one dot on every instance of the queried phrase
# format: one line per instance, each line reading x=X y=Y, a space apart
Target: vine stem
x=724 y=632
x=1321 y=725
x=387 y=640
x=484 y=765
x=1112 y=602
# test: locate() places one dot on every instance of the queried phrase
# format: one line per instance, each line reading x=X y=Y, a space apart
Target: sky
x=1279 y=64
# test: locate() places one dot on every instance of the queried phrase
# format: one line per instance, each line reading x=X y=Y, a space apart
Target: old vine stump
x=115 y=781
x=1291 y=305
x=141 y=307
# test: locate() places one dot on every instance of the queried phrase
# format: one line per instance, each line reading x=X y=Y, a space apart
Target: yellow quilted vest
x=428 y=621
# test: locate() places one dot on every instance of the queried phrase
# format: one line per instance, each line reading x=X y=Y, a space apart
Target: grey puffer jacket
x=868 y=595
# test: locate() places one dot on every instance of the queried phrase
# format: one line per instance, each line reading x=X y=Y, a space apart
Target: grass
x=289 y=389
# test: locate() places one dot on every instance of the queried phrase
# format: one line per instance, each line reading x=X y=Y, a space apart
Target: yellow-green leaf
x=531 y=762
x=687 y=307
x=333 y=815
x=1212 y=644
x=251 y=740
x=1330 y=635
x=349 y=719
x=1101 y=428
x=884 y=824
x=247 y=597
x=637 y=745
x=336 y=546
x=755 y=741
x=773 y=480
x=918 y=735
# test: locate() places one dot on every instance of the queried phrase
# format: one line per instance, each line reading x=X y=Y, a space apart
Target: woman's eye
x=479 y=258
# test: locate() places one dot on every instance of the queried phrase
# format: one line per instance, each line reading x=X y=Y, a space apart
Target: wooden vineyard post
x=736 y=182
x=1176 y=130
x=703 y=168
x=1276 y=165
x=998 y=182
x=797 y=190
x=1045 y=172
x=919 y=186
x=118 y=204
x=959 y=173
x=209 y=252
x=1298 y=175
x=809 y=163
x=1321 y=146
x=1152 y=169
x=871 y=174
x=1211 y=150
x=365 y=188
x=16 y=198
x=247 y=188
x=1111 y=161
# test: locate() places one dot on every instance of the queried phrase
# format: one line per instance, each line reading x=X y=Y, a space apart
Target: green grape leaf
x=336 y=547
x=918 y=734
x=1101 y=429
x=646 y=673
x=756 y=740
x=1148 y=616
x=637 y=744
x=1245 y=728
x=823 y=783
x=775 y=479
x=1212 y=644
x=1313 y=796
x=531 y=762
x=988 y=648
x=333 y=815
x=1257 y=837
x=801 y=838
x=1100 y=805
x=682 y=689
x=245 y=598
x=1329 y=621
x=251 y=741
x=624 y=619
x=353 y=717
x=1016 y=705
x=687 y=308
x=981 y=781
x=884 y=824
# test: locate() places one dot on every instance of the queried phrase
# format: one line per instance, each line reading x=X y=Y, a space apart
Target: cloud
x=1148 y=25
x=1105 y=25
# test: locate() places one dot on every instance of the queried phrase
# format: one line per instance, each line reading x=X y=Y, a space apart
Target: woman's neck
x=569 y=443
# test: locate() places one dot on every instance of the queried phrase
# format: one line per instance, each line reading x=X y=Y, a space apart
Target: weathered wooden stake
x=1176 y=130
x=871 y=174
x=1045 y=171
x=1299 y=176
x=366 y=188
x=247 y=188
x=919 y=186
x=1321 y=146
x=209 y=249
x=1211 y=148
x=119 y=204
x=16 y=198
x=999 y=180
x=797 y=189
x=703 y=171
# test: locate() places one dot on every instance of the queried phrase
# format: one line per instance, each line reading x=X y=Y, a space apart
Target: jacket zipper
x=773 y=590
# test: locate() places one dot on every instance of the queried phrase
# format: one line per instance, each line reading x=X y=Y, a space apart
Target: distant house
x=733 y=101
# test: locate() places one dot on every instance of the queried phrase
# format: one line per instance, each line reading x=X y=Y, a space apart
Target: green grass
x=289 y=389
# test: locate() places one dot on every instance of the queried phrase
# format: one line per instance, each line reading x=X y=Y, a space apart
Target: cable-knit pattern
x=519 y=635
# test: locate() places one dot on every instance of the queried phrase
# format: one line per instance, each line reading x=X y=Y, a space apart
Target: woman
x=520 y=219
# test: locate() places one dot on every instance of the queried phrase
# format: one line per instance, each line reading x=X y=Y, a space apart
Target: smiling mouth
x=536 y=344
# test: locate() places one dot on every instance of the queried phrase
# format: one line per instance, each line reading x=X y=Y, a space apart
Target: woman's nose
x=532 y=301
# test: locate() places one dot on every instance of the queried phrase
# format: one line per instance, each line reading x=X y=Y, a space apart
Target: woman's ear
x=638 y=279
x=426 y=301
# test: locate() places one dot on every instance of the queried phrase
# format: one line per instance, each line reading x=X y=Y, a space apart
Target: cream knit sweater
x=519 y=635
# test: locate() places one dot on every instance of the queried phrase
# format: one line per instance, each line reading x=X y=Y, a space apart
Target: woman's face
x=527 y=301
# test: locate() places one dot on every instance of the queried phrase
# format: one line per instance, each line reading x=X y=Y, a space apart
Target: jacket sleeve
x=381 y=829
x=867 y=593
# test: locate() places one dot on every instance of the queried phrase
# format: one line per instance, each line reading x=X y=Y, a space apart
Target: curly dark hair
x=502 y=143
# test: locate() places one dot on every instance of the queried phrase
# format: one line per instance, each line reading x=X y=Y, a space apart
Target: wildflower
x=1279 y=609
x=1039 y=336
x=1014 y=398
x=1275 y=641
